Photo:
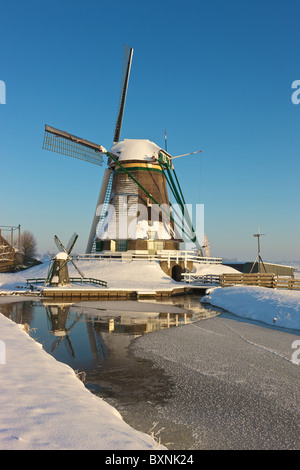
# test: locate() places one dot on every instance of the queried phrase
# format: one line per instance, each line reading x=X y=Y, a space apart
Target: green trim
x=163 y=167
x=180 y=201
x=148 y=194
x=134 y=168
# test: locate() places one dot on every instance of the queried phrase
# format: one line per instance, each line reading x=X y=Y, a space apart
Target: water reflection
x=57 y=319
x=94 y=338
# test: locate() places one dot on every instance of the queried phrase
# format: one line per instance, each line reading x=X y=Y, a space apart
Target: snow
x=61 y=255
x=270 y=306
x=137 y=275
x=215 y=269
x=131 y=275
x=136 y=149
x=44 y=406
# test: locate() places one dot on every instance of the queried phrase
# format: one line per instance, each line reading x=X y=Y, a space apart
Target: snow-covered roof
x=135 y=149
x=61 y=255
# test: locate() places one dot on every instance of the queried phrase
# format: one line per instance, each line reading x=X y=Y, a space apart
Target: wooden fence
x=89 y=280
x=287 y=283
x=202 y=279
x=260 y=279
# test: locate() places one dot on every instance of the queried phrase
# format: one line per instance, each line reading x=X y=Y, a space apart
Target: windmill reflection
x=61 y=319
x=57 y=316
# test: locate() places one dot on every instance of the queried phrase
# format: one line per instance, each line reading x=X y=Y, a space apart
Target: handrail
x=201 y=278
x=90 y=280
x=171 y=255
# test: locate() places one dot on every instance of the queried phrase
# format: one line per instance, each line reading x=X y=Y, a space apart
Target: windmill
x=58 y=273
x=133 y=211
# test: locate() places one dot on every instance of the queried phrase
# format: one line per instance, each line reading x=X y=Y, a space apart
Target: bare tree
x=28 y=244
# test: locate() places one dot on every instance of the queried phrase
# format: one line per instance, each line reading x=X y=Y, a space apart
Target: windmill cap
x=136 y=149
x=61 y=255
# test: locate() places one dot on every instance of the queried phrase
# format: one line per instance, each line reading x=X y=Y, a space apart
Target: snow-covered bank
x=43 y=405
x=270 y=306
x=137 y=275
x=118 y=274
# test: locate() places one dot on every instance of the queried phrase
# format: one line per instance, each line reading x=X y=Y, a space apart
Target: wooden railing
x=80 y=280
x=259 y=279
x=287 y=283
x=89 y=280
x=201 y=279
x=172 y=255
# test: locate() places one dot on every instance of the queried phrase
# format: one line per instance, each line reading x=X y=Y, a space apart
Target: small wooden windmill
x=58 y=274
x=135 y=182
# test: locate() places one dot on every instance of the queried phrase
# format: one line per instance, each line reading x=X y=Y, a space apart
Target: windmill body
x=134 y=222
x=60 y=274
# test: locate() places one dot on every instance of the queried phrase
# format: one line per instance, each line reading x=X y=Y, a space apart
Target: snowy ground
x=136 y=275
x=118 y=274
x=270 y=306
x=43 y=405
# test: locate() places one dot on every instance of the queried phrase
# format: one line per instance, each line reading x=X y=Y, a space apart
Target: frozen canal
x=218 y=383
x=234 y=384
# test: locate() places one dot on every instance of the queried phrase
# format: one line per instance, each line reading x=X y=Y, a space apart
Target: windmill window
x=159 y=245
x=121 y=245
x=151 y=234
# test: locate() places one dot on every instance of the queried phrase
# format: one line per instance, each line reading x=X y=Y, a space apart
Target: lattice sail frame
x=64 y=143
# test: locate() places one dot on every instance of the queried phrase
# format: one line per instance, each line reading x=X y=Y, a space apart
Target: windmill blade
x=69 y=346
x=71 y=243
x=127 y=59
x=67 y=144
x=56 y=343
x=81 y=275
x=74 y=322
x=59 y=244
x=186 y=154
x=50 y=271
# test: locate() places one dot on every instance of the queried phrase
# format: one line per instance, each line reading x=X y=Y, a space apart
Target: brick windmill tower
x=133 y=211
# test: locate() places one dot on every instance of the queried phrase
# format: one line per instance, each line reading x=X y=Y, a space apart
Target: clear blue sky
x=216 y=75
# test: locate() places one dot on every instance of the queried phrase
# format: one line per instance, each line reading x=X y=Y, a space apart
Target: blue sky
x=216 y=75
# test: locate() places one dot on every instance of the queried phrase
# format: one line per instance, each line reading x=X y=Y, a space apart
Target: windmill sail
x=71 y=243
x=127 y=59
x=67 y=144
